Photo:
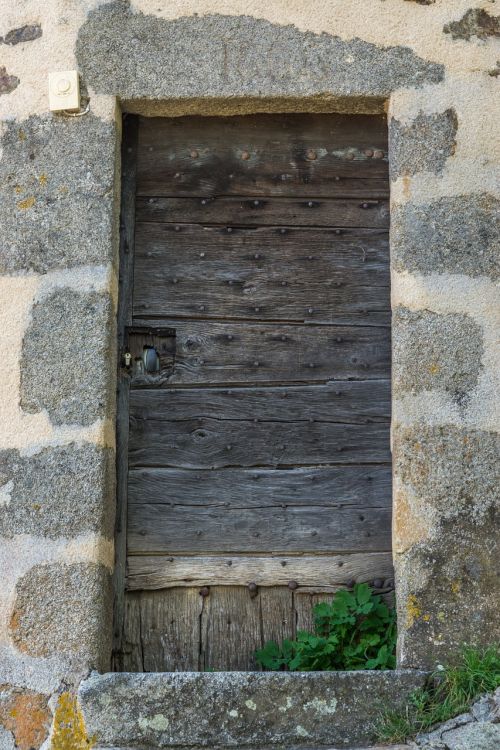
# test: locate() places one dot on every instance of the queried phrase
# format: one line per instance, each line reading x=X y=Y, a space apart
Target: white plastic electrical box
x=64 y=91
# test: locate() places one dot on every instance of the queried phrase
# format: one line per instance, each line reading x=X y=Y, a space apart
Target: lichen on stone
x=26 y=715
x=69 y=732
x=56 y=192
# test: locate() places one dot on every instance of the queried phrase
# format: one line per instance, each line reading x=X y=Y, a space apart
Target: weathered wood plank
x=231 y=629
x=246 y=353
x=366 y=486
x=264 y=155
x=170 y=630
x=342 y=401
x=304 y=604
x=278 y=211
x=216 y=443
x=260 y=273
x=129 y=657
x=277 y=614
x=326 y=571
x=161 y=529
x=124 y=317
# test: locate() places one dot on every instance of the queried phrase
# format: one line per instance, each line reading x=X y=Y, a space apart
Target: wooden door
x=259 y=474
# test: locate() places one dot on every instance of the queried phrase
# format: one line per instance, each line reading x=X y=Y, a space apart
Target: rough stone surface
x=477 y=730
x=460 y=234
x=7 y=741
x=67 y=360
x=234 y=709
x=220 y=56
x=7 y=82
x=422 y=146
x=25 y=716
x=63 y=609
x=26 y=33
x=450 y=470
x=447 y=590
x=447 y=575
x=476 y=22
x=59 y=492
x=474 y=737
x=56 y=193
x=433 y=351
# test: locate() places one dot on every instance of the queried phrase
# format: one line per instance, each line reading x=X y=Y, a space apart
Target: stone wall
x=434 y=67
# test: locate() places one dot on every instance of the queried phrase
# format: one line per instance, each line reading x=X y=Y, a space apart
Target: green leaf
x=355 y=630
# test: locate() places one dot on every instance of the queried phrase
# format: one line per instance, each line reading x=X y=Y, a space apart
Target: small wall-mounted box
x=64 y=91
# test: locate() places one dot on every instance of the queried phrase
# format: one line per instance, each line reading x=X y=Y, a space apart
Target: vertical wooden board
x=303 y=605
x=277 y=613
x=170 y=629
x=231 y=629
x=129 y=658
x=124 y=317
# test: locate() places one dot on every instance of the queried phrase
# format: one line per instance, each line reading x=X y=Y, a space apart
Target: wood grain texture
x=240 y=211
x=231 y=629
x=329 y=486
x=303 y=605
x=179 y=630
x=324 y=571
x=246 y=353
x=260 y=273
x=263 y=155
x=261 y=455
x=161 y=529
x=170 y=630
x=277 y=614
x=129 y=656
x=354 y=402
x=217 y=443
x=124 y=318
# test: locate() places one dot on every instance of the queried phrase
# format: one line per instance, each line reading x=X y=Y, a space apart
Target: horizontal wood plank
x=322 y=571
x=237 y=353
x=351 y=401
x=161 y=529
x=215 y=443
x=263 y=155
x=358 y=485
x=278 y=211
x=259 y=273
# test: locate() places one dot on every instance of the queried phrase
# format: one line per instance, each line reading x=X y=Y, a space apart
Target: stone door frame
x=57 y=613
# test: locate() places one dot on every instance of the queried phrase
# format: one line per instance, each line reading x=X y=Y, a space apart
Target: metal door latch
x=151 y=359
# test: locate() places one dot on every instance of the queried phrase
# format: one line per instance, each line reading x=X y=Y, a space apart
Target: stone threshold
x=216 y=710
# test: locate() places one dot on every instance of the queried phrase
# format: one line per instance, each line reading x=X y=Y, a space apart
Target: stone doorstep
x=277 y=710
x=212 y=747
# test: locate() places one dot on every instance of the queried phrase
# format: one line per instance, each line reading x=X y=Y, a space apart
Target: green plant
x=450 y=692
x=356 y=630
